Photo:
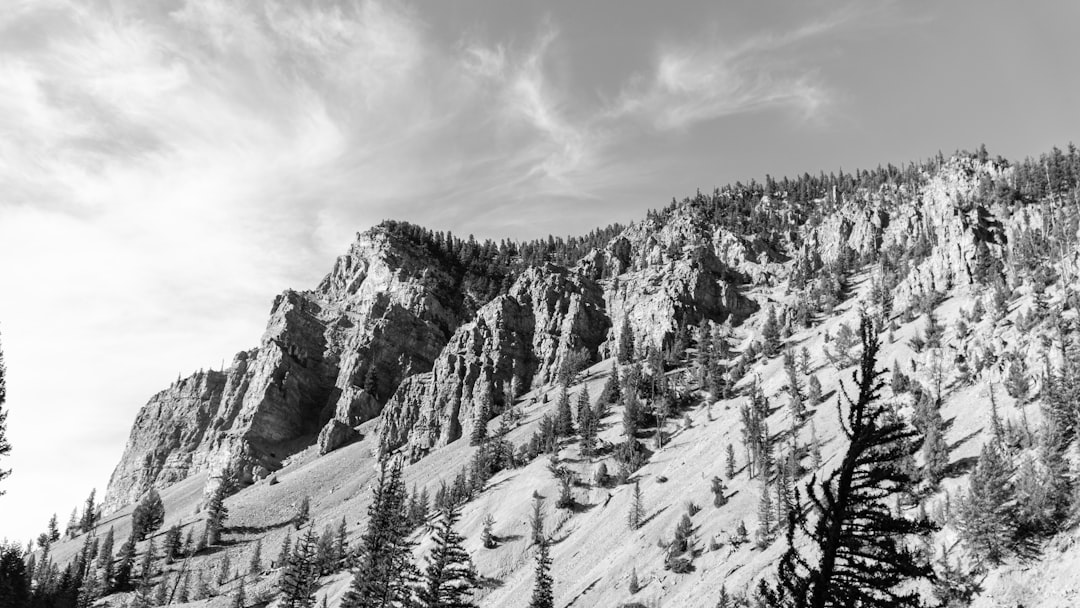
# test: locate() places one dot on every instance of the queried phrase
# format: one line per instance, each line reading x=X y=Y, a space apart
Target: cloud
x=715 y=77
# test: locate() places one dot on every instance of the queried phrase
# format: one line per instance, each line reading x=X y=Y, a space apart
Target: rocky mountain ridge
x=387 y=334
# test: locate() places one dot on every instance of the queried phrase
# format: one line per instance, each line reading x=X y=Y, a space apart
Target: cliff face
x=338 y=352
x=517 y=340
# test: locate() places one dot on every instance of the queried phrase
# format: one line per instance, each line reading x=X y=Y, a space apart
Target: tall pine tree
x=449 y=579
x=863 y=557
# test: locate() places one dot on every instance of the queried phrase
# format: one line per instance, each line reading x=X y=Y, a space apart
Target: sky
x=168 y=166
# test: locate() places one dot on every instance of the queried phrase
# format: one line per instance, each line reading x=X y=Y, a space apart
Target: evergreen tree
x=987 y=519
x=125 y=565
x=341 y=545
x=384 y=569
x=161 y=592
x=105 y=561
x=53 y=530
x=89 y=591
x=255 y=564
x=202 y=587
x=148 y=516
x=89 y=516
x=813 y=392
x=625 y=351
x=766 y=530
x=5 y=446
x=487 y=536
x=239 y=599
x=301 y=573
x=224 y=569
x=303 y=513
x=719 y=491
x=564 y=420
x=216 y=513
x=636 y=517
x=449 y=579
x=1017 y=383
x=536 y=520
x=861 y=545
x=543 y=589
x=170 y=546
x=481 y=416
x=729 y=464
x=284 y=552
x=935 y=448
x=183 y=589
x=770 y=333
x=146 y=566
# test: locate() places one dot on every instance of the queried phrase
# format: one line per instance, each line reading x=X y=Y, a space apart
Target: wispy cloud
x=716 y=77
x=166 y=167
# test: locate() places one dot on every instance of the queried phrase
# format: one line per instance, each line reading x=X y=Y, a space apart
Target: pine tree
x=766 y=530
x=863 y=555
x=5 y=446
x=53 y=531
x=487 y=536
x=146 y=566
x=224 y=569
x=161 y=592
x=202 y=587
x=935 y=448
x=125 y=564
x=89 y=591
x=770 y=333
x=626 y=342
x=170 y=546
x=636 y=517
x=634 y=585
x=1017 y=383
x=239 y=599
x=341 y=545
x=105 y=561
x=536 y=520
x=284 y=552
x=183 y=590
x=384 y=571
x=813 y=392
x=449 y=578
x=482 y=414
x=303 y=513
x=148 y=516
x=89 y=516
x=301 y=574
x=729 y=465
x=564 y=420
x=216 y=513
x=719 y=492
x=987 y=519
x=255 y=564
x=543 y=589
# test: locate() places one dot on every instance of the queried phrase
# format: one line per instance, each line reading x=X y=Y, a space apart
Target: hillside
x=414 y=338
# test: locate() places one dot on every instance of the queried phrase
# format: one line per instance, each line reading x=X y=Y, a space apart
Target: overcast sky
x=167 y=167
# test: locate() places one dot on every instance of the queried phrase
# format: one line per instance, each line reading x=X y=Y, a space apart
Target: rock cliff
x=338 y=352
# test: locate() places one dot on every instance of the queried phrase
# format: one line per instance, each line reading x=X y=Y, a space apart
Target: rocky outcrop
x=384 y=312
x=335 y=435
x=516 y=340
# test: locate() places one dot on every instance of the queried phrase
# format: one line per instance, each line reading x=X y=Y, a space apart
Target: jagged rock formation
x=390 y=325
x=335 y=353
x=516 y=340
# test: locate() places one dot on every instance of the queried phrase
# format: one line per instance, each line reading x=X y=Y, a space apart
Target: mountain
x=416 y=339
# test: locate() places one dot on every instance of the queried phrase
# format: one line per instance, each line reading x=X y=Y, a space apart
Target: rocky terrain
x=395 y=353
